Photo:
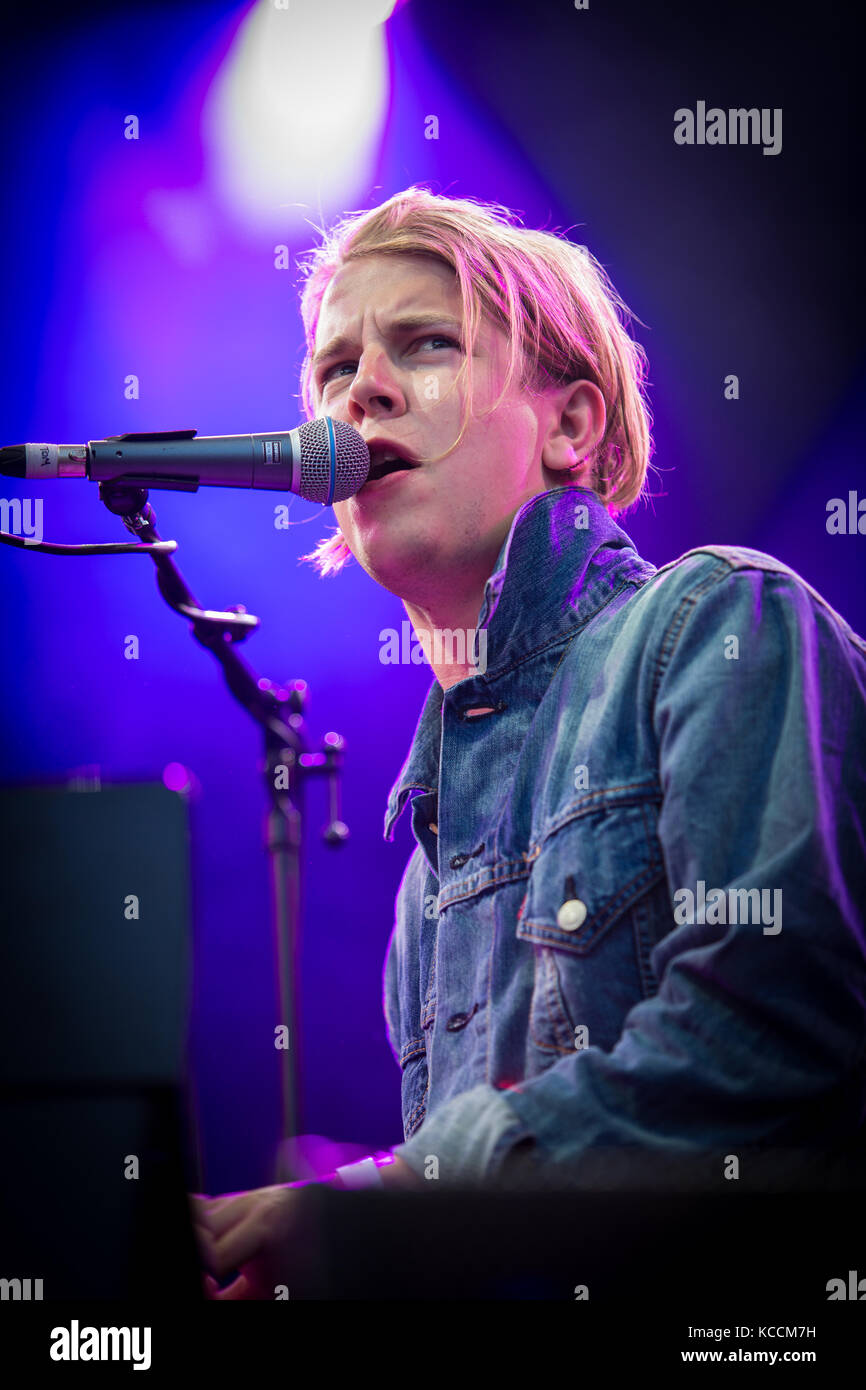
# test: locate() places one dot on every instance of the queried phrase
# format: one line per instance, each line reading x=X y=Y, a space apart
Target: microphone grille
x=351 y=461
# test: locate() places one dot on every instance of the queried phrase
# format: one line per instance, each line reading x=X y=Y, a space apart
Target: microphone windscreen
x=351 y=461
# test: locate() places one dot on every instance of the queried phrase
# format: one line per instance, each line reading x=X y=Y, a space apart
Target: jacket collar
x=560 y=563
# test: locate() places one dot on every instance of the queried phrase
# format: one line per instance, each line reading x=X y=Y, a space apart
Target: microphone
x=323 y=460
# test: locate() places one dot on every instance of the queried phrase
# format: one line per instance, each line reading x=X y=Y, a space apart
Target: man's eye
x=330 y=373
x=440 y=338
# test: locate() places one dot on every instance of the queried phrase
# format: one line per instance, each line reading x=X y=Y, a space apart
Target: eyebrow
x=405 y=323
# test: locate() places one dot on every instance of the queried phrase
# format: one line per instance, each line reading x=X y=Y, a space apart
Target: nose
x=375 y=389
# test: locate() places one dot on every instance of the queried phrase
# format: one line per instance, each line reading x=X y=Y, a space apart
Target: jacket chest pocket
x=597 y=902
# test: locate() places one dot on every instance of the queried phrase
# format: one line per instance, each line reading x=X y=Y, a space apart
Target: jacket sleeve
x=400 y=971
x=391 y=996
x=757 y=1033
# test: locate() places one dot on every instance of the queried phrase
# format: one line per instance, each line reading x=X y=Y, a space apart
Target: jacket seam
x=513 y=870
x=779 y=571
x=643 y=792
x=674 y=630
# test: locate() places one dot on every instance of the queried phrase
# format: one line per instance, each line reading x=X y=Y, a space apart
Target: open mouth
x=386 y=459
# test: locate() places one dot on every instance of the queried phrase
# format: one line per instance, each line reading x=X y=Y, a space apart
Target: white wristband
x=362 y=1174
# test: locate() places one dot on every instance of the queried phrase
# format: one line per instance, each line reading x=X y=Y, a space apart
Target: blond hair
x=555 y=302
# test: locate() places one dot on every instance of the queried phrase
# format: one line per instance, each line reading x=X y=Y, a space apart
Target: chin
x=395 y=564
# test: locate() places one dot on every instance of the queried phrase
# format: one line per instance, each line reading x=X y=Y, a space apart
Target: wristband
x=365 y=1173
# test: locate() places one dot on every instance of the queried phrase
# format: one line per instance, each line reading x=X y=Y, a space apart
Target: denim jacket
x=636 y=911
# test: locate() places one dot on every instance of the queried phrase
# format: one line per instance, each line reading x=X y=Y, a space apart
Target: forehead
x=386 y=284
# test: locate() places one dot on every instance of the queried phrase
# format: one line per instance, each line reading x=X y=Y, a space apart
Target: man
x=633 y=921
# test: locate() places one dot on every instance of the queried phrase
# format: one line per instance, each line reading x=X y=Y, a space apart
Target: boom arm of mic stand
x=287 y=763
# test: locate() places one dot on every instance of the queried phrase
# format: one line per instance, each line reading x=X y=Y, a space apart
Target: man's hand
x=266 y=1234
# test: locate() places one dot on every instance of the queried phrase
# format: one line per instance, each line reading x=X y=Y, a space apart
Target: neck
x=447 y=635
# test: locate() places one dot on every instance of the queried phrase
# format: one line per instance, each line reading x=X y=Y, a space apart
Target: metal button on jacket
x=571 y=915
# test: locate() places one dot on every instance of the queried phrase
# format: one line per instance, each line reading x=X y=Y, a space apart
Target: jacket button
x=571 y=915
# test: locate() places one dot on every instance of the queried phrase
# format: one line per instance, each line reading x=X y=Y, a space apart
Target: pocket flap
x=586 y=873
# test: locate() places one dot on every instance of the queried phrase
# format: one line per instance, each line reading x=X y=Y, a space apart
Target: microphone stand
x=286 y=766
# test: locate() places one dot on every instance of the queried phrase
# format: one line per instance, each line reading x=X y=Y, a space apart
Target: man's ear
x=576 y=424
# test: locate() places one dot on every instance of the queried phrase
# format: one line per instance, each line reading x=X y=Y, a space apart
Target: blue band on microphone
x=332 y=453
